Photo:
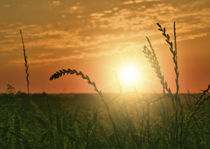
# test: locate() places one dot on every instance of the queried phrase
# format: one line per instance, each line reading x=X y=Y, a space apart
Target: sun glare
x=129 y=75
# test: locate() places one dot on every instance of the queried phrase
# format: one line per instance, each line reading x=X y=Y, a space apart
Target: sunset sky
x=98 y=37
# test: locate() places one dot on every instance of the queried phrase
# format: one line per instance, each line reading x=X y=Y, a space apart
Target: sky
x=98 y=37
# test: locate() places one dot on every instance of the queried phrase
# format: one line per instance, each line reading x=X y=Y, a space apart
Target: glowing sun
x=129 y=75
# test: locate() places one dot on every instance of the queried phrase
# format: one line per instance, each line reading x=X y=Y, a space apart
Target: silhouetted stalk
x=150 y=54
x=176 y=61
x=177 y=88
x=173 y=50
x=201 y=99
x=26 y=62
x=177 y=105
x=60 y=73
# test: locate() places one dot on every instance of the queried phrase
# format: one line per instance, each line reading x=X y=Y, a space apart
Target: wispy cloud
x=44 y=55
x=55 y=3
x=128 y=2
x=96 y=28
x=6 y=5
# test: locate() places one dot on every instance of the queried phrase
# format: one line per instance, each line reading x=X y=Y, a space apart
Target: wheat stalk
x=62 y=72
x=173 y=50
x=201 y=100
x=151 y=56
x=26 y=62
x=177 y=105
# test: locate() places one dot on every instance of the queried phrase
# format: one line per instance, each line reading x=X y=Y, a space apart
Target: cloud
x=6 y=6
x=55 y=3
x=44 y=58
x=147 y=13
x=87 y=31
x=44 y=55
x=197 y=35
x=76 y=9
x=138 y=1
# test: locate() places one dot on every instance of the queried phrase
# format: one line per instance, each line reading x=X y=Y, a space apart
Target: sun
x=129 y=75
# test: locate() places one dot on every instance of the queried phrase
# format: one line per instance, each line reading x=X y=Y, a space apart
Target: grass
x=177 y=105
x=85 y=77
x=59 y=121
x=26 y=62
x=159 y=121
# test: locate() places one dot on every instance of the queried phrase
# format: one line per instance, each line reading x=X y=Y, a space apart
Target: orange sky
x=97 y=37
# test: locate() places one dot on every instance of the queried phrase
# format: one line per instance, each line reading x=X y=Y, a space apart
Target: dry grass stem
x=62 y=72
x=26 y=62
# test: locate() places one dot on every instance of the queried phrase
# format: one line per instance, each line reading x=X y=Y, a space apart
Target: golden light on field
x=129 y=75
x=103 y=39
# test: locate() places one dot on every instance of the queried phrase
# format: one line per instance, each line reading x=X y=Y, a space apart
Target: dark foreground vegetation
x=162 y=121
x=79 y=121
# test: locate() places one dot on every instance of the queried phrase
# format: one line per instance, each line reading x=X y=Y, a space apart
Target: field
x=80 y=121
x=168 y=120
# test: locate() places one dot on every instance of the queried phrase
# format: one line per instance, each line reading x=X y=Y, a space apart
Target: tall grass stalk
x=151 y=56
x=60 y=73
x=173 y=50
x=177 y=105
x=26 y=62
x=200 y=101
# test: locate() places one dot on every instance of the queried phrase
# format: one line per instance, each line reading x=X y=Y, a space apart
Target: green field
x=78 y=121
